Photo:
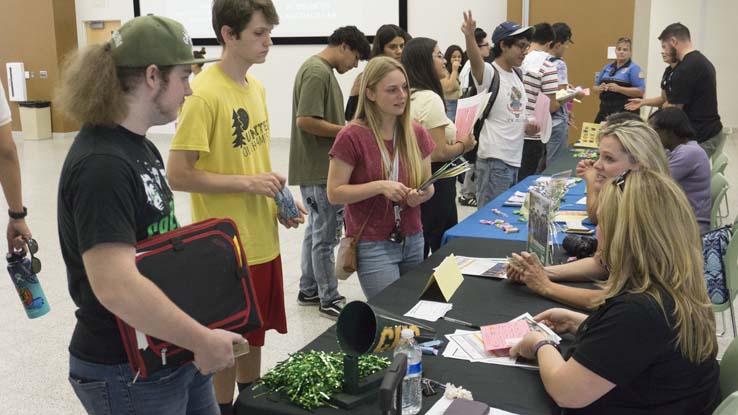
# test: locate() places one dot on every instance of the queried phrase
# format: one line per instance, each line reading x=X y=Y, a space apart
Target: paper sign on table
x=444 y=282
x=499 y=338
x=429 y=310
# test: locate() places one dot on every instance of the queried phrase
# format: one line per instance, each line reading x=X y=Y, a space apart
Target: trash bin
x=35 y=119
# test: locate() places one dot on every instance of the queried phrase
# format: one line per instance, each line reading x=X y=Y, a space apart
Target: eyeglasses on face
x=522 y=45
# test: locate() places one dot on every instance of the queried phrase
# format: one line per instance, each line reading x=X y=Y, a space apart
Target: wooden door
x=595 y=25
x=96 y=35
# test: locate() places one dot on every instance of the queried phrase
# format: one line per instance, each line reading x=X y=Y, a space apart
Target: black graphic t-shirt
x=112 y=190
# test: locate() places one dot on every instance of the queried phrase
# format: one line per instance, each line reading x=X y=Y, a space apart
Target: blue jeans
x=108 y=390
x=558 y=140
x=382 y=262
x=493 y=177
x=322 y=233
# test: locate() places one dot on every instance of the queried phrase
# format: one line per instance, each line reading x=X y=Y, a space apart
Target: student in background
x=502 y=135
x=636 y=103
x=693 y=87
x=389 y=41
x=197 y=67
x=540 y=77
x=317 y=117
x=378 y=161
x=455 y=59
x=426 y=68
x=655 y=322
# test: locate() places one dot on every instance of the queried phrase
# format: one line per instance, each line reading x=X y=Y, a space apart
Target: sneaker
x=332 y=310
x=303 y=299
x=468 y=201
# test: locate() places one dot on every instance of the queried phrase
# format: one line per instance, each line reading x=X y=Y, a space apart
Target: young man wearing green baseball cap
x=112 y=193
x=220 y=154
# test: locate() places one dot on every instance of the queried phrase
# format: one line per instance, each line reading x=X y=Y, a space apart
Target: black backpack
x=494 y=88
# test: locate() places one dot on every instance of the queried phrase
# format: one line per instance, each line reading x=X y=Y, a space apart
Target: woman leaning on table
x=618 y=81
x=376 y=165
x=426 y=68
x=650 y=347
x=624 y=145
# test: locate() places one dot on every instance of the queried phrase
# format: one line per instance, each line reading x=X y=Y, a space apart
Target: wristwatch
x=18 y=215
x=543 y=343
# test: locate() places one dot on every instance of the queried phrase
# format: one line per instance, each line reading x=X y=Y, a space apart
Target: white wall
x=88 y=10
x=430 y=18
x=441 y=20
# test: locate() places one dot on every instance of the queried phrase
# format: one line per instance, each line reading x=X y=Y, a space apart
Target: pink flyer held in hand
x=496 y=336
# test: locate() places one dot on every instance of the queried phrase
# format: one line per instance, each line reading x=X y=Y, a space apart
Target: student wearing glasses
x=502 y=135
x=377 y=163
x=618 y=81
x=626 y=145
x=650 y=347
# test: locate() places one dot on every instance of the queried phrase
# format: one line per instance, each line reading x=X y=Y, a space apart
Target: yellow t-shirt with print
x=228 y=125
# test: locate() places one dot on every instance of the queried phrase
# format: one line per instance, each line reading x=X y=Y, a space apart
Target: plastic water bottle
x=26 y=283
x=411 y=391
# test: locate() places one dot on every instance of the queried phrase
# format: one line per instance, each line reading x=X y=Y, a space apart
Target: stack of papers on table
x=429 y=310
x=516 y=199
x=483 y=267
x=469 y=345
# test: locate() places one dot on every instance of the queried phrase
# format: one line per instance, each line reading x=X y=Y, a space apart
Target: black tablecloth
x=479 y=301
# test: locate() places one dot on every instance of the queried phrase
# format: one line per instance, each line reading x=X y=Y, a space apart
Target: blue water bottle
x=26 y=282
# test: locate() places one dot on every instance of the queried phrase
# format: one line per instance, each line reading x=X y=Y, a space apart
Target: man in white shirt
x=501 y=138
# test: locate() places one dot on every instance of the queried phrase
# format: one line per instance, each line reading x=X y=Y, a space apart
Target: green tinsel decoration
x=310 y=379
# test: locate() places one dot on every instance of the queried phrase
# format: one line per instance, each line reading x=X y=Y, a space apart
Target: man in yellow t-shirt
x=220 y=154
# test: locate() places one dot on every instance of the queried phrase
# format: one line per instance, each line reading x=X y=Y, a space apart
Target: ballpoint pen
x=463 y=323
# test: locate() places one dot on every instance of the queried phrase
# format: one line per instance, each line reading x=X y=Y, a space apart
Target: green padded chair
x=729 y=381
x=729 y=406
x=718 y=192
x=719 y=164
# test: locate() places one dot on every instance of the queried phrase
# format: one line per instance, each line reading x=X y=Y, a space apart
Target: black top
x=693 y=85
x=629 y=342
x=666 y=78
x=112 y=189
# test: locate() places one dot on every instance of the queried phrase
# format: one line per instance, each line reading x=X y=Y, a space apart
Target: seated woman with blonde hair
x=651 y=346
x=624 y=145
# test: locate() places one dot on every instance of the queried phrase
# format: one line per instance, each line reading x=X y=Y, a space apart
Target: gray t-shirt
x=690 y=167
x=316 y=94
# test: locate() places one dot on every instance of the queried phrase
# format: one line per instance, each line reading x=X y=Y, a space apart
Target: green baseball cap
x=152 y=40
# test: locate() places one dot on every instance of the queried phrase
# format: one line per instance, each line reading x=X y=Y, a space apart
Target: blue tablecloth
x=472 y=228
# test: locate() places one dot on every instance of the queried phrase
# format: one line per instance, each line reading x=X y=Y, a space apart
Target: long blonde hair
x=641 y=142
x=650 y=240
x=369 y=113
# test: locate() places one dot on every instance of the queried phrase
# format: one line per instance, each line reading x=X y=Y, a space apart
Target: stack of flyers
x=451 y=169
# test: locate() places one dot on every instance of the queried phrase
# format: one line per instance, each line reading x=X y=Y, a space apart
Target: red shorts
x=269 y=290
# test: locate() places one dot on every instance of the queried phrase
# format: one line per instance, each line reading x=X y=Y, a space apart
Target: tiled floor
x=33 y=354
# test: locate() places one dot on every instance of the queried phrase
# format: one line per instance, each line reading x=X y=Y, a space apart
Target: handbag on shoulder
x=202 y=268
